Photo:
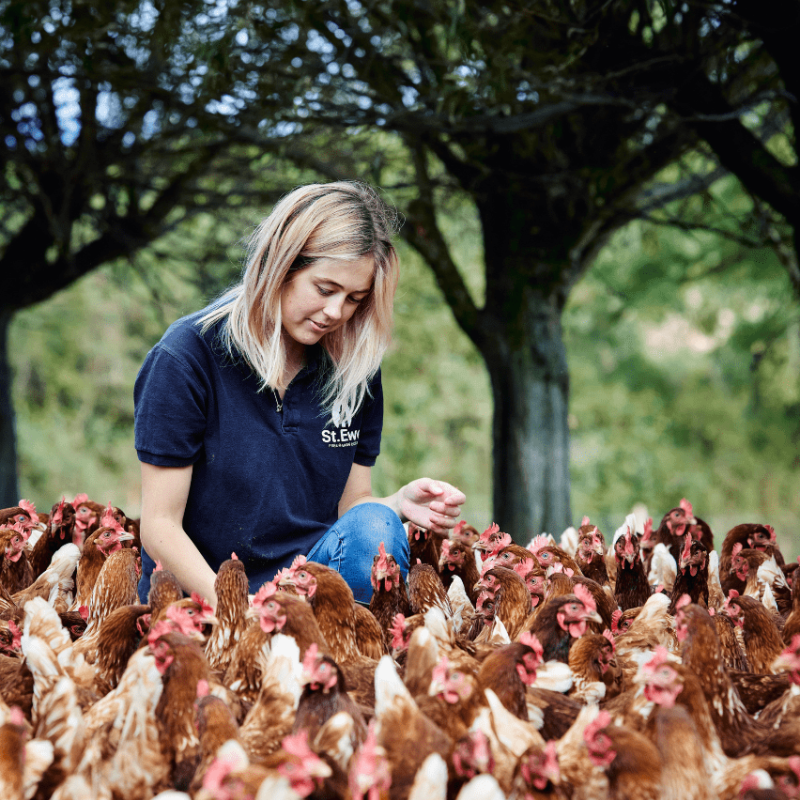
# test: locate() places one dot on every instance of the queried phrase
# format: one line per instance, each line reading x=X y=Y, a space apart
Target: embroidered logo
x=343 y=437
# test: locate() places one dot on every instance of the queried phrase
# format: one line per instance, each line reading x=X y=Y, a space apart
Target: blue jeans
x=352 y=542
x=349 y=546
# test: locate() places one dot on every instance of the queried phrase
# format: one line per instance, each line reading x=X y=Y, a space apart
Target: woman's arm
x=165 y=491
x=433 y=505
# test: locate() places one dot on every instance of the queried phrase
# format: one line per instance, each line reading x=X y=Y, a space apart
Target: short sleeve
x=171 y=407
x=369 y=440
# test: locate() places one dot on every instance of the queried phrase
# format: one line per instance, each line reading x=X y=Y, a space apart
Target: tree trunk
x=530 y=434
x=9 y=489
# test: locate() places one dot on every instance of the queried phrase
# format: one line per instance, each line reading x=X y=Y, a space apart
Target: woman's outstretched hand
x=433 y=505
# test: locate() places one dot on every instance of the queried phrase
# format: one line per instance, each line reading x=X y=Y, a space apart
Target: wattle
x=577 y=629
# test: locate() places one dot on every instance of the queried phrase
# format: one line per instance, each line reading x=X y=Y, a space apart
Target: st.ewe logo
x=343 y=437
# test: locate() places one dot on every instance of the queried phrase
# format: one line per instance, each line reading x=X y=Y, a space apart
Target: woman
x=258 y=419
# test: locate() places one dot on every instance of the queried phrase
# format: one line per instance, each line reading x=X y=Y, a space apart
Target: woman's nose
x=333 y=308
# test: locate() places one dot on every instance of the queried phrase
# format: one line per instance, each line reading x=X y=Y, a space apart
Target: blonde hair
x=346 y=221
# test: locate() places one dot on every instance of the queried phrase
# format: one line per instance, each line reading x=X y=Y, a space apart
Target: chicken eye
x=83 y=510
x=545 y=556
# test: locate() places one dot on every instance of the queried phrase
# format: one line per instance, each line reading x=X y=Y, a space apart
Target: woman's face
x=321 y=298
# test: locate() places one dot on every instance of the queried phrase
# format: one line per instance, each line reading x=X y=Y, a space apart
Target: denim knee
x=373 y=523
x=350 y=545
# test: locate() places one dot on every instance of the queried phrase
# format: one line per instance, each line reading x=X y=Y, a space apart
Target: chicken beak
x=126 y=537
x=593 y=616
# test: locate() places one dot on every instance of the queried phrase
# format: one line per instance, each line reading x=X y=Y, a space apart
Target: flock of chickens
x=651 y=667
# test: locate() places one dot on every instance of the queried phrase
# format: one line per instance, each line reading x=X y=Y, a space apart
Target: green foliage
x=685 y=364
x=684 y=352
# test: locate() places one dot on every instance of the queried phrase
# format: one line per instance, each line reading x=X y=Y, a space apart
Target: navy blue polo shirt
x=265 y=484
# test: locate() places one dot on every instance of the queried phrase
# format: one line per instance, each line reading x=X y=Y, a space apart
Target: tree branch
x=422 y=232
x=739 y=150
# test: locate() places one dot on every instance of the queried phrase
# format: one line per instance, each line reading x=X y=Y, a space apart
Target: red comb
x=298 y=562
x=397 y=629
x=26 y=505
x=538 y=543
x=532 y=641
x=584 y=521
x=310 y=657
x=58 y=514
x=382 y=560
x=486 y=535
x=687 y=507
x=107 y=520
x=585 y=596
x=264 y=593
